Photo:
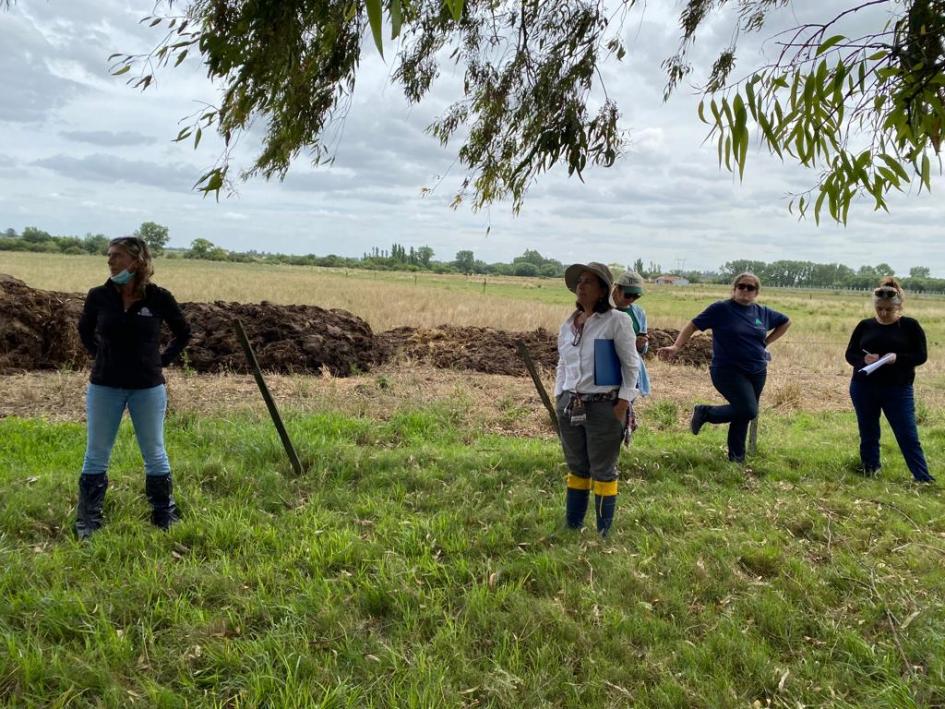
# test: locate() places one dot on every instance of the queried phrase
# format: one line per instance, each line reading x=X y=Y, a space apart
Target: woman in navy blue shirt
x=741 y=333
x=889 y=388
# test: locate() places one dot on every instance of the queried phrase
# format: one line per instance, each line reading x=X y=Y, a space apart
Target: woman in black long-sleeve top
x=121 y=328
x=888 y=388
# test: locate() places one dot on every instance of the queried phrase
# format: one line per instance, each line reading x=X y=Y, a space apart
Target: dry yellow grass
x=808 y=372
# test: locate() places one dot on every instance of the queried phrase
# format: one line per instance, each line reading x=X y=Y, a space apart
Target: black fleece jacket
x=126 y=345
x=905 y=337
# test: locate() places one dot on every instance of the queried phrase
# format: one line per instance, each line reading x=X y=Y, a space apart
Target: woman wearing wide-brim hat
x=595 y=384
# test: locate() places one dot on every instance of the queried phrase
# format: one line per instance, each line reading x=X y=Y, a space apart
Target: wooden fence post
x=530 y=366
x=267 y=397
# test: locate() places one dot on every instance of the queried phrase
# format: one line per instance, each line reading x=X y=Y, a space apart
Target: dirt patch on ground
x=38 y=331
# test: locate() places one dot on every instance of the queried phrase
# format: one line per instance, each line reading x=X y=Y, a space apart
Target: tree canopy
x=865 y=110
x=155 y=235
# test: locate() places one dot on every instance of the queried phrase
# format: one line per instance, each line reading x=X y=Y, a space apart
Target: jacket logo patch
x=144 y=312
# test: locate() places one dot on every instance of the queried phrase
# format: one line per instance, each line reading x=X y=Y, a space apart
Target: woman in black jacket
x=121 y=328
x=900 y=342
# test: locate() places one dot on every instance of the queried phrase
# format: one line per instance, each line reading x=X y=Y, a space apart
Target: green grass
x=419 y=562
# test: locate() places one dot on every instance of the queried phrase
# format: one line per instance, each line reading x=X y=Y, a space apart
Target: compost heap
x=38 y=331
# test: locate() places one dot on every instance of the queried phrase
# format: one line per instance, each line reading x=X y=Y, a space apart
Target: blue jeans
x=742 y=391
x=898 y=404
x=104 y=408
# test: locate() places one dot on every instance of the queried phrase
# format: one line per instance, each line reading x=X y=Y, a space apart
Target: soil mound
x=38 y=328
x=494 y=351
x=698 y=353
x=479 y=349
x=38 y=331
x=286 y=338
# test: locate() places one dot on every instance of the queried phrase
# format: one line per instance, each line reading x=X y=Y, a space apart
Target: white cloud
x=105 y=150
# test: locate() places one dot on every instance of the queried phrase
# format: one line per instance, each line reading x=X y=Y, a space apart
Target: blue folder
x=606 y=364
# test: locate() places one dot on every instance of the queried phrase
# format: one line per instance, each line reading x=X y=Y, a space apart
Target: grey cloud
x=30 y=90
x=108 y=138
x=108 y=168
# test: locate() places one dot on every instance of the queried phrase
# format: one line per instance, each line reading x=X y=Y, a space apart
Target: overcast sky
x=81 y=152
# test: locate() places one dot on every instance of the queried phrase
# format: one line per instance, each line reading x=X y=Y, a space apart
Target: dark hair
x=603 y=303
x=137 y=248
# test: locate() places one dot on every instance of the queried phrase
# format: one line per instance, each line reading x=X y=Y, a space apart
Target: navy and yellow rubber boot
x=605 y=502
x=575 y=502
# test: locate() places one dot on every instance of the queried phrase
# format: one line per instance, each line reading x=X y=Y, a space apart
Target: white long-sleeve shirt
x=576 y=362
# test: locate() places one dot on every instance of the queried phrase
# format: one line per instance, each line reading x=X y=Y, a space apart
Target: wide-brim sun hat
x=598 y=269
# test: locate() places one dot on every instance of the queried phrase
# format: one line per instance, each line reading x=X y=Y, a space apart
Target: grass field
x=419 y=560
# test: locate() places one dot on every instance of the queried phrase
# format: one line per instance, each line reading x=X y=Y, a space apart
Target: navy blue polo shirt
x=738 y=333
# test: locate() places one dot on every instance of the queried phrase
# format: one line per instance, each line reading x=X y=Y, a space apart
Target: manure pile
x=38 y=331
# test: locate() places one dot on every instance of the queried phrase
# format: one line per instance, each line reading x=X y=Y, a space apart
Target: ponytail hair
x=891 y=282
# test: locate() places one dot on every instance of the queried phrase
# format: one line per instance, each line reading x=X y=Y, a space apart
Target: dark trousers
x=898 y=404
x=742 y=391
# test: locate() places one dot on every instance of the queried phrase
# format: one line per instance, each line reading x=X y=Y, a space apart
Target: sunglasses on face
x=746 y=286
x=628 y=294
x=885 y=292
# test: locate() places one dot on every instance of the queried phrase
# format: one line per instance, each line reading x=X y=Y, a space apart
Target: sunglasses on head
x=885 y=292
x=126 y=240
x=746 y=286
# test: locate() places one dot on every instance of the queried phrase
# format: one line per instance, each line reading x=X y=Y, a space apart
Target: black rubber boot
x=88 y=511
x=604 y=506
x=575 y=507
x=160 y=489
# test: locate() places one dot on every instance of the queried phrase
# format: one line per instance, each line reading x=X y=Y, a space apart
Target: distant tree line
x=783 y=273
x=807 y=274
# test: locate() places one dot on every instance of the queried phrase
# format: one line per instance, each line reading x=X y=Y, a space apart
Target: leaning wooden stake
x=530 y=366
x=267 y=397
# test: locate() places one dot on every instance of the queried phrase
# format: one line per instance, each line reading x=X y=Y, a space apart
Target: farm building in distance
x=670 y=280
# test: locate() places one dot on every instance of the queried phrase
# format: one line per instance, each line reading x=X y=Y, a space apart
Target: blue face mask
x=123 y=277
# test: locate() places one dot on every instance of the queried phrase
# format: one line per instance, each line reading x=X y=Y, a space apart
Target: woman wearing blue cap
x=627 y=291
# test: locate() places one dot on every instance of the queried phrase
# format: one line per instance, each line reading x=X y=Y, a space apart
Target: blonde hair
x=137 y=248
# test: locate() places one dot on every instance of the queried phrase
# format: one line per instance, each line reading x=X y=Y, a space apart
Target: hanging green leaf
x=828 y=43
x=376 y=20
x=396 y=18
x=456 y=8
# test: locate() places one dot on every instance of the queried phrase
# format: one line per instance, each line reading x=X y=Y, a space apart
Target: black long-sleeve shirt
x=905 y=337
x=126 y=345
